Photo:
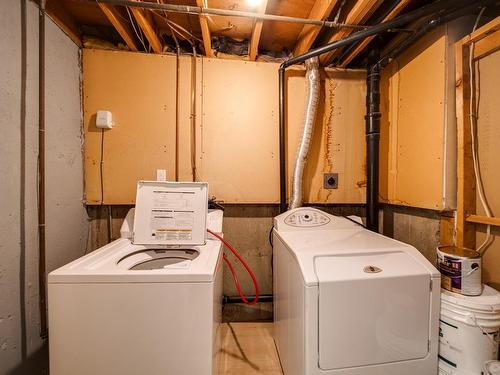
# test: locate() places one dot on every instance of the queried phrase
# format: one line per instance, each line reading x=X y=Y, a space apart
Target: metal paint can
x=460 y=270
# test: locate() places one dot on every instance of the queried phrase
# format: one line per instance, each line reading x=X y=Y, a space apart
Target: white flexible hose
x=473 y=127
x=313 y=85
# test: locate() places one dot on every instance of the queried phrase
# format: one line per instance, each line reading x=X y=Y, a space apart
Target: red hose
x=233 y=273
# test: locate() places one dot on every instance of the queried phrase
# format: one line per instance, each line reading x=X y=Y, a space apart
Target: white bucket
x=492 y=368
x=468 y=331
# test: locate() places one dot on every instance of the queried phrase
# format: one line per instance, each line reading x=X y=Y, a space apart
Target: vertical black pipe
x=41 y=171
x=282 y=156
x=372 y=121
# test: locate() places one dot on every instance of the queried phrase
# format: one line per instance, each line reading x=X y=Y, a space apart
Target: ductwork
x=313 y=86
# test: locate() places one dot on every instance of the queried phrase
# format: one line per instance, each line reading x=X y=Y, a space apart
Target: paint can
x=460 y=270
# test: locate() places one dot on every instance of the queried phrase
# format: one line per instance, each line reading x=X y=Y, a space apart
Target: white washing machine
x=148 y=303
x=350 y=301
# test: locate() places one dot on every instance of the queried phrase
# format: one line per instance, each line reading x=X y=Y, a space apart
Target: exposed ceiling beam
x=361 y=46
x=359 y=13
x=257 y=30
x=320 y=10
x=148 y=29
x=205 y=31
x=64 y=20
x=123 y=29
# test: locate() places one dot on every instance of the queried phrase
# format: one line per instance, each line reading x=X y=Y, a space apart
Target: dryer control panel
x=306 y=218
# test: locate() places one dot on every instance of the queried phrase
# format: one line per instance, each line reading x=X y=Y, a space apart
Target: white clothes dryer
x=349 y=301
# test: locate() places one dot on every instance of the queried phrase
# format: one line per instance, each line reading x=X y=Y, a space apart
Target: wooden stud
x=358 y=14
x=147 y=27
x=487 y=45
x=480 y=219
x=466 y=182
x=205 y=32
x=257 y=30
x=64 y=20
x=361 y=46
x=123 y=29
x=320 y=11
x=466 y=195
x=482 y=32
x=447 y=230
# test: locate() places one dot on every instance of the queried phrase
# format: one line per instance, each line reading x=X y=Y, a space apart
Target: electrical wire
x=101 y=167
x=233 y=272
x=135 y=30
x=178 y=28
x=474 y=145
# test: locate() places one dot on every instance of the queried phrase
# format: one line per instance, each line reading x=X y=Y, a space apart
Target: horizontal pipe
x=436 y=7
x=238 y=299
x=201 y=11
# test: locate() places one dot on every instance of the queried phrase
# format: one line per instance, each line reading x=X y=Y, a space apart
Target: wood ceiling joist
x=256 y=32
x=205 y=31
x=361 y=46
x=320 y=11
x=148 y=29
x=360 y=12
x=123 y=29
x=64 y=20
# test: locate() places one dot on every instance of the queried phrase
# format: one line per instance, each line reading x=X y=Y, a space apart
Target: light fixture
x=254 y=3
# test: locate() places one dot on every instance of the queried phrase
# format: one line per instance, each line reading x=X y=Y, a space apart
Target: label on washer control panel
x=172 y=215
x=306 y=218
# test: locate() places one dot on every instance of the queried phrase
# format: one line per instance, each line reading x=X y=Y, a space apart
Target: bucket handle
x=491 y=335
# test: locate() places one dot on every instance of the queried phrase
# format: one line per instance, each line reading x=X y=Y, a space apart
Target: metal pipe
x=313 y=84
x=372 y=121
x=437 y=7
x=201 y=11
x=193 y=113
x=282 y=137
x=41 y=171
x=22 y=181
x=238 y=299
x=373 y=113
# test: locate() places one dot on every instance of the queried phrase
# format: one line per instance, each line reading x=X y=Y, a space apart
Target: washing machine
x=348 y=301
x=148 y=303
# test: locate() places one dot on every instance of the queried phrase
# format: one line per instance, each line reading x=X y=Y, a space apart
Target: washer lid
x=170 y=213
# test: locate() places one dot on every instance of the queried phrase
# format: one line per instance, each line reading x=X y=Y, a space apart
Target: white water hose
x=473 y=128
x=313 y=86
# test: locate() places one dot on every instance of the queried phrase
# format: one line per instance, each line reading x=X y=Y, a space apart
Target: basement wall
x=21 y=349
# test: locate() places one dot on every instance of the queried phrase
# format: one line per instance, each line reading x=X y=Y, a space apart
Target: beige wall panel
x=238 y=138
x=488 y=129
x=185 y=113
x=139 y=89
x=338 y=144
x=413 y=116
x=236 y=131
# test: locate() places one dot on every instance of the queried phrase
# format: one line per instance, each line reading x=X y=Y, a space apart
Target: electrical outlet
x=331 y=181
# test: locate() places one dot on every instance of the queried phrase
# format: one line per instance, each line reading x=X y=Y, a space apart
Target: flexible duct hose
x=313 y=86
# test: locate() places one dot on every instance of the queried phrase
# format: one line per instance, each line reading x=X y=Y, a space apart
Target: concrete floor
x=248 y=348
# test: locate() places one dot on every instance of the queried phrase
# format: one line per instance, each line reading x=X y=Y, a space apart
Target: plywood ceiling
x=152 y=31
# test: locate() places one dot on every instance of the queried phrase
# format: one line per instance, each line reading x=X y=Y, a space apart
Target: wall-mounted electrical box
x=104 y=120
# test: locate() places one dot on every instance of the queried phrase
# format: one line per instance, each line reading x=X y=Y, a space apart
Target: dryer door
x=373 y=309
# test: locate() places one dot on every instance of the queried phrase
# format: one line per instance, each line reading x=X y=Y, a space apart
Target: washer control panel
x=306 y=218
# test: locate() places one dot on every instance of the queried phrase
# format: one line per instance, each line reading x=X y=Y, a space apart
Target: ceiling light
x=254 y=3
